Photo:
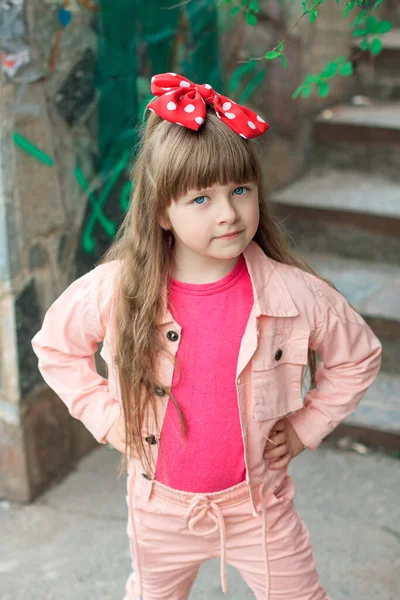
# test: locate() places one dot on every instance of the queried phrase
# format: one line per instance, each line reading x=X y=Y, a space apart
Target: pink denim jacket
x=292 y=311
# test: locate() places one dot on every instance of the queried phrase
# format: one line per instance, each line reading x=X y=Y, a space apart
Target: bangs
x=214 y=155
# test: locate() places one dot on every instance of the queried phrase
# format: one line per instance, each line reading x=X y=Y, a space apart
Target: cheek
x=252 y=213
x=189 y=228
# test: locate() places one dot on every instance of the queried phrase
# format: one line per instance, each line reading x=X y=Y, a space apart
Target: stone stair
x=373 y=289
x=343 y=217
x=379 y=76
x=348 y=213
x=363 y=137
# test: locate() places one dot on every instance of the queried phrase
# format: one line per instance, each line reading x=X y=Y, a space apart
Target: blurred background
x=75 y=79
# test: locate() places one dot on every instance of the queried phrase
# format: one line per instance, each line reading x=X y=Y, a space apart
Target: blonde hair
x=172 y=160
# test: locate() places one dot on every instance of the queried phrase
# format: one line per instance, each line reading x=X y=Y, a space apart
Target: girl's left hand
x=284 y=445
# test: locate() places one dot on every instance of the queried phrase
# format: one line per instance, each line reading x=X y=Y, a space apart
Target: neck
x=201 y=269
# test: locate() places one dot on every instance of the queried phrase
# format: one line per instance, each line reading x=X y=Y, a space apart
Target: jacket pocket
x=277 y=373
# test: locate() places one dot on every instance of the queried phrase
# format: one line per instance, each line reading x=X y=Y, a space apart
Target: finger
x=282 y=462
x=276 y=452
x=279 y=438
x=279 y=425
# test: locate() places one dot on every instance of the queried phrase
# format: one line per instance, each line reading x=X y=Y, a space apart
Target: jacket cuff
x=100 y=432
x=311 y=426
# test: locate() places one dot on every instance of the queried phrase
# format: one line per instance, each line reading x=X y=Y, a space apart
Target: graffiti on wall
x=135 y=42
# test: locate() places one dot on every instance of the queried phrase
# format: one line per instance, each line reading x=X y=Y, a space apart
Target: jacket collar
x=271 y=295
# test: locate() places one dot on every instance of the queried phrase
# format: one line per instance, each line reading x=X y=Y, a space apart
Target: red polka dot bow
x=183 y=102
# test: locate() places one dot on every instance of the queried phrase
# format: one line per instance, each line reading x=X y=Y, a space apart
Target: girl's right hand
x=116 y=434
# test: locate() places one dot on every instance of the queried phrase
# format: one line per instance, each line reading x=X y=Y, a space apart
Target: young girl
x=208 y=322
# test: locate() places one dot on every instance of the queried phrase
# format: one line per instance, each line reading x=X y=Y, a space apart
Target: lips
x=232 y=233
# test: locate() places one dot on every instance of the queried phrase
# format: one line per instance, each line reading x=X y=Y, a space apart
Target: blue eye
x=241 y=192
x=199 y=198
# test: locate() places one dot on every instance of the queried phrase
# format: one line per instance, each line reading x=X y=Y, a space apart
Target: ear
x=164 y=224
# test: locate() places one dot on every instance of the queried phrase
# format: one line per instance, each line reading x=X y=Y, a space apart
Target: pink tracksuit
x=252 y=525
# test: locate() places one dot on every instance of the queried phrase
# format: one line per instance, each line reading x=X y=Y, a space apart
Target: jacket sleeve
x=66 y=345
x=351 y=359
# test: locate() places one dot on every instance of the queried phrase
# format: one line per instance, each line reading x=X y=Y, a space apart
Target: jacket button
x=151 y=439
x=278 y=354
x=159 y=391
x=146 y=476
x=172 y=336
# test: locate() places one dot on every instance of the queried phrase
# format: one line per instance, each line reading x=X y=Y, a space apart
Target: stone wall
x=41 y=210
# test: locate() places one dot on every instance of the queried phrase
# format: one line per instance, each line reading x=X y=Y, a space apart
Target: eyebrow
x=201 y=191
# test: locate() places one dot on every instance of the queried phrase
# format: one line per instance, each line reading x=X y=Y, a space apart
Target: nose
x=227 y=212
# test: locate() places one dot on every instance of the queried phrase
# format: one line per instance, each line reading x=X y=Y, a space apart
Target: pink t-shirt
x=212 y=456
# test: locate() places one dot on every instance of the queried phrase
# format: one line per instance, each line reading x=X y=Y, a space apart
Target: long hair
x=172 y=160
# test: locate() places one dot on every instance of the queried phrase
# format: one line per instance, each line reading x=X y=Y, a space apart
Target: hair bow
x=183 y=102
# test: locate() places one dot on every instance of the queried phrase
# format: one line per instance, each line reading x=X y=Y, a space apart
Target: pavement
x=71 y=543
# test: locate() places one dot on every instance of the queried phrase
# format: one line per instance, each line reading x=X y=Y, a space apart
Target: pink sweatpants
x=173 y=532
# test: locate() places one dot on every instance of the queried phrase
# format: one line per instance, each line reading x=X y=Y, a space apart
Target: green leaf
x=313 y=15
x=372 y=24
x=376 y=46
x=235 y=10
x=271 y=55
x=330 y=70
x=347 y=69
x=384 y=27
x=227 y=1
x=297 y=92
x=254 y=7
x=306 y=91
x=311 y=78
x=284 y=61
x=323 y=89
x=359 y=33
x=280 y=46
x=360 y=19
x=349 y=6
x=251 y=18
x=364 y=44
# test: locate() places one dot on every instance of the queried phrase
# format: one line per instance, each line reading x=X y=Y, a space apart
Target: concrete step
x=351 y=214
x=365 y=137
x=376 y=420
x=367 y=83
x=375 y=123
x=373 y=289
x=378 y=77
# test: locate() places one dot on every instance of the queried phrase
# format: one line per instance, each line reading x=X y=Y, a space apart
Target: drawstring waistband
x=199 y=507
x=202 y=506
